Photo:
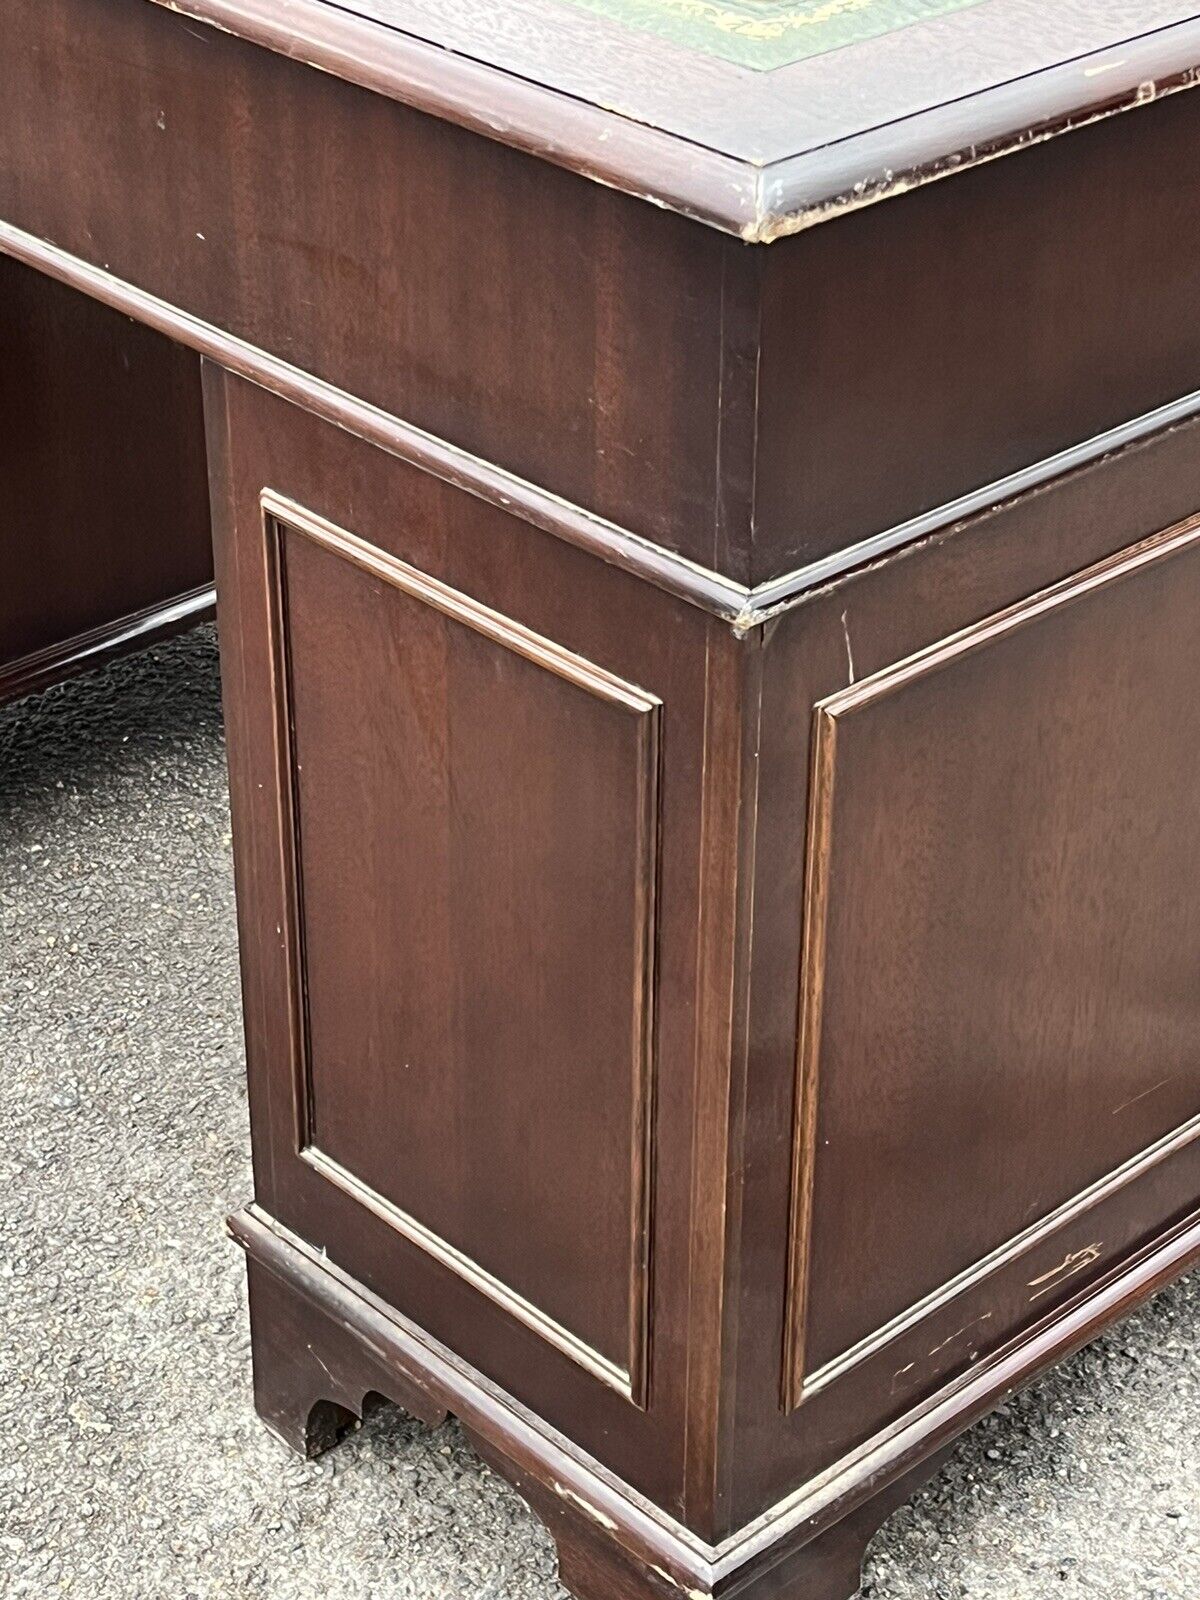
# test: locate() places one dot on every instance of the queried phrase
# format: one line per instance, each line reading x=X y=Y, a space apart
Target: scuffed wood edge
x=758 y=202
x=610 y=148
x=680 y=1556
x=805 y=190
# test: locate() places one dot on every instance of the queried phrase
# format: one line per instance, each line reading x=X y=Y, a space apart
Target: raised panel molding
x=281 y=517
x=832 y=717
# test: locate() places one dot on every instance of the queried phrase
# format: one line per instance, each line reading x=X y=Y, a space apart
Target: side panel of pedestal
x=975 y=942
x=479 y=779
x=104 y=529
x=755 y=1133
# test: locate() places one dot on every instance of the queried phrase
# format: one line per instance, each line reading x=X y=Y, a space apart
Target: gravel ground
x=133 y=1465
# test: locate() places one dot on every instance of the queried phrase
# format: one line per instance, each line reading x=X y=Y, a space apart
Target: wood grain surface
x=717 y=1062
x=103 y=487
x=1015 y=897
x=755 y=153
x=746 y=409
x=438 y=276
x=860 y=630
x=478 y=1064
x=471 y=836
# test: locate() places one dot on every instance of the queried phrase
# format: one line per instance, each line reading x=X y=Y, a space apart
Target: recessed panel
x=475 y=823
x=1002 y=1015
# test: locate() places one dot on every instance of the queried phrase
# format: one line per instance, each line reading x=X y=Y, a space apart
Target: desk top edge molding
x=722 y=169
x=744 y=607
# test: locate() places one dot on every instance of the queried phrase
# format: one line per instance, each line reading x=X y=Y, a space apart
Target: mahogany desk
x=707 y=501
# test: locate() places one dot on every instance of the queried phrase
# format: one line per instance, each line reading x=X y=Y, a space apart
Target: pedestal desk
x=707 y=507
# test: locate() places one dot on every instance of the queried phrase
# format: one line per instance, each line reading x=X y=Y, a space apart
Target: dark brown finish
x=537 y=506
x=576 y=961
x=1094 y=1185
x=508 y=771
x=877 y=619
x=718 y=1004
x=325 y=1349
x=312 y=1383
x=761 y=154
x=988 y=859
x=103 y=489
x=327 y=225
x=972 y=328
x=749 y=409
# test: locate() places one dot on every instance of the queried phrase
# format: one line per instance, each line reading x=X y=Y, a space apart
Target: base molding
x=324 y=1346
x=322 y=1339
x=98 y=646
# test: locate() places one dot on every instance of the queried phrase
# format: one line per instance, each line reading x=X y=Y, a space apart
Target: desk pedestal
x=717 y=1063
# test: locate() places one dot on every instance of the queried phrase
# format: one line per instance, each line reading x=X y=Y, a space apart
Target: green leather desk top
x=764 y=34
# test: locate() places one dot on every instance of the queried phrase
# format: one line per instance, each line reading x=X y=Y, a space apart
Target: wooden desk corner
x=707 y=521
